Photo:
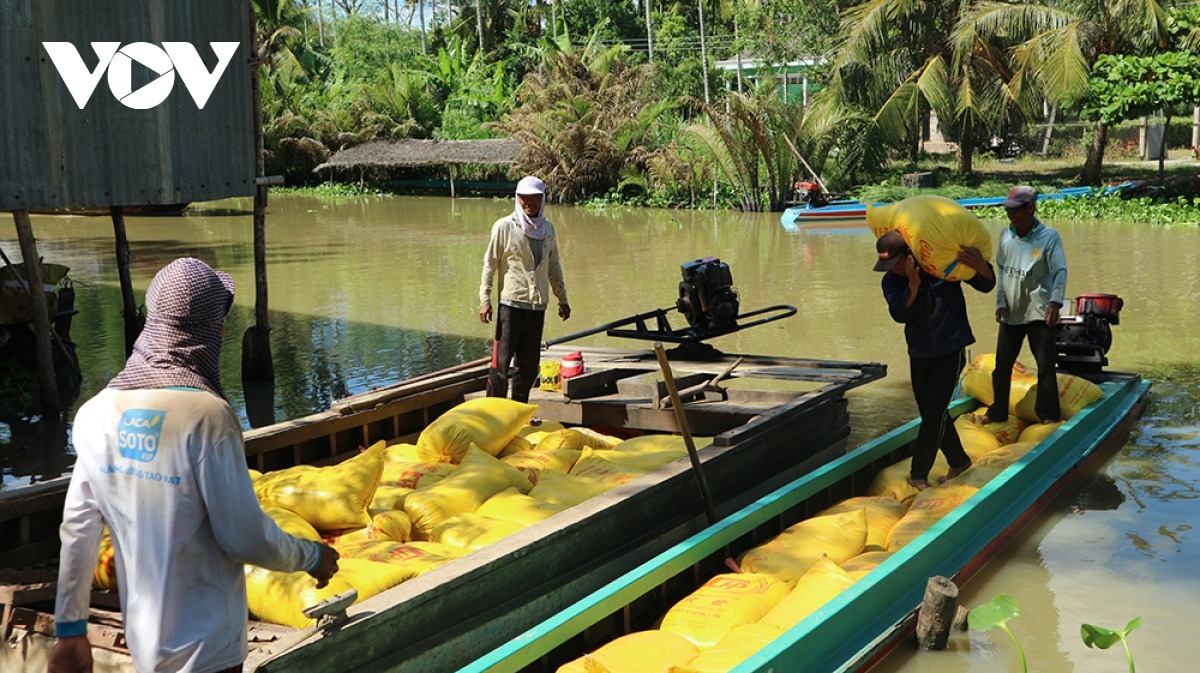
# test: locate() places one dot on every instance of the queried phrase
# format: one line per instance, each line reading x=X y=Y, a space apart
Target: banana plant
x=1102 y=638
x=996 y=613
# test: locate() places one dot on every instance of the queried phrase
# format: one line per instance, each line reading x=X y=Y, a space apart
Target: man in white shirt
x=523 y=252
x=160 y=461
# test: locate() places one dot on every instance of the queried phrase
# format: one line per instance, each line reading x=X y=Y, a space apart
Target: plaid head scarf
x=186 y=306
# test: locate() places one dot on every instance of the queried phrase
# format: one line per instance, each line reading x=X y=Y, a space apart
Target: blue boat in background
x=853 y=211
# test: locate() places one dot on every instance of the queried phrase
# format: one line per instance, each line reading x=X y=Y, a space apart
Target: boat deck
x=771 y=419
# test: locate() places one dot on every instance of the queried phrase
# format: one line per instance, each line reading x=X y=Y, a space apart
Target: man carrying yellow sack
x=160 y=460
x=1033 y=280
x=934 y=314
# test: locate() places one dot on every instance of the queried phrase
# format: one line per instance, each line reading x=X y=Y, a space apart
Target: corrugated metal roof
x=55 y=155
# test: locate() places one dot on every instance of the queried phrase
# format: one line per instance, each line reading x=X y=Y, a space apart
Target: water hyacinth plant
x=995 y=614
x=1102 y=638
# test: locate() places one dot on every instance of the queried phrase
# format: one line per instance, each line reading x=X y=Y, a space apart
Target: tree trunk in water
x=1095 y=156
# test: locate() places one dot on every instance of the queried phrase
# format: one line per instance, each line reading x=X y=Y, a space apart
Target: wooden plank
x=601 y=382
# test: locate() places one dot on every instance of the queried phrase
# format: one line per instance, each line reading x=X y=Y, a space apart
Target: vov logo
x=165 y=61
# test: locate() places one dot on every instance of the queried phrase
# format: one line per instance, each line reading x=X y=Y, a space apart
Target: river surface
x=367 y=292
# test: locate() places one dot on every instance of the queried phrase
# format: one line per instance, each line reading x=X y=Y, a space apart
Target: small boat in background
x=852 y=210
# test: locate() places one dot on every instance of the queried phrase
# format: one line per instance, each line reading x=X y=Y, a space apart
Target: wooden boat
x=856 y=629
x=764 y=435
x=846 y=211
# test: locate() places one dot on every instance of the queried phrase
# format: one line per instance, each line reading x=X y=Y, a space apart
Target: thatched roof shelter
x=410 y=152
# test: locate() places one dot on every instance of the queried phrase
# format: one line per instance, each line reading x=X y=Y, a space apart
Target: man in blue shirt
x=1032 y=269
x=934 y=314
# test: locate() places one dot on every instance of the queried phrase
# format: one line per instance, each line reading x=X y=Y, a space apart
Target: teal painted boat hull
x=869 y=618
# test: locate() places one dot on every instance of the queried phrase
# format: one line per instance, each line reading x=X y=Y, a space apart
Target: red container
x=1106 y=305
x=572 y=365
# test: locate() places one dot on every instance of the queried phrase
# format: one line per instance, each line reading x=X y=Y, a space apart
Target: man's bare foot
x=982 y=419
x=919 y=484
x=1049 y=421
x=954 y=472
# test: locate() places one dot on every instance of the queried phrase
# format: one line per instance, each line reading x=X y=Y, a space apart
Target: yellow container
x=549 y=376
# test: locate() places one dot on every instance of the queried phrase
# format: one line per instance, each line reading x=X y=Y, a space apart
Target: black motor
x=707 y=297
x=1085 y=337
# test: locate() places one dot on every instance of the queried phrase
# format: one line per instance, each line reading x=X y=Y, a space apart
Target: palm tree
x=1056 y=46
x=896 y=59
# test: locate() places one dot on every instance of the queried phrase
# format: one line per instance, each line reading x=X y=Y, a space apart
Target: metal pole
x=41 y=311
x=681 y=420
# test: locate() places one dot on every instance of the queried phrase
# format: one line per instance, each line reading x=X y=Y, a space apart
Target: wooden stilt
x=133 y=324
x=256 y=342
x=450 y=167
x=937 y=613
x=41 y=311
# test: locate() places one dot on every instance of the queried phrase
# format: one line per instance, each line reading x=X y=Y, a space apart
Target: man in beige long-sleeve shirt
x=523 y=253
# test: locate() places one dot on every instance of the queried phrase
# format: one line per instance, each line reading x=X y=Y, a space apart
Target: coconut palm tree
x=1055 y=46
x=897 y=60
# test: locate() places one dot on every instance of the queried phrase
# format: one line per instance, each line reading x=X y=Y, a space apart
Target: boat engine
x=1085 y=337
x=707 y=297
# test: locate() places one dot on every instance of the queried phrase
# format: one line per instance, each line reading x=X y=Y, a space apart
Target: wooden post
x=256 y=342
x=41 y=311
x=450 y=167
x=133 y=325
x=937 y=613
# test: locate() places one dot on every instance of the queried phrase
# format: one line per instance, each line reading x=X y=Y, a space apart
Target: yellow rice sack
x=477 y=459
x=254 y=474
x=414 y=475
x=545 y=427
x=653 y=443
x=977 y=381
x=329 y=498
x=640 y=652
x=723 y=602
x=105 y=574
x=1074 y=394
x=645 y=460
x=511 y=505
x=892 y=481
x=864 y=563
x=487 y=422
x=737 y=646
x=821 y=584
x=597 y=440
x=568 y=439
x=567 y=490
x=416 y=557
x=978 y=475
x=1036 y=433
x=292 y=523
x=535 y=461
x=790 y=554
x=280 y=598
x=927 y=509
x=347 y=535
x=393 y=525
x=388 y=499
x=934 y=228
x=1005 y=455
x=970 y=432
x=882 y=514
x=411 y=453
x=592 y=464
x=479 y=478
x=515 y=445
x=472 y=531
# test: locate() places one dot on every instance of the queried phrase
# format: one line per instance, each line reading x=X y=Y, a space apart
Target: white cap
x=531 y=185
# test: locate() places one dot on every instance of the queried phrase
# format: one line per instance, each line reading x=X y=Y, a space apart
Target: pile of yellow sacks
x=476 y=475
x=792 y=575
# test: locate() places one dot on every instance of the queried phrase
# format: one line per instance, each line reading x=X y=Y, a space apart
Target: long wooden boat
x=875 y=614
x=850 y=211
x=776 y=419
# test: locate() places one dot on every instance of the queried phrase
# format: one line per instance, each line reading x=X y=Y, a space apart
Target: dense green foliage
x=625 y=102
